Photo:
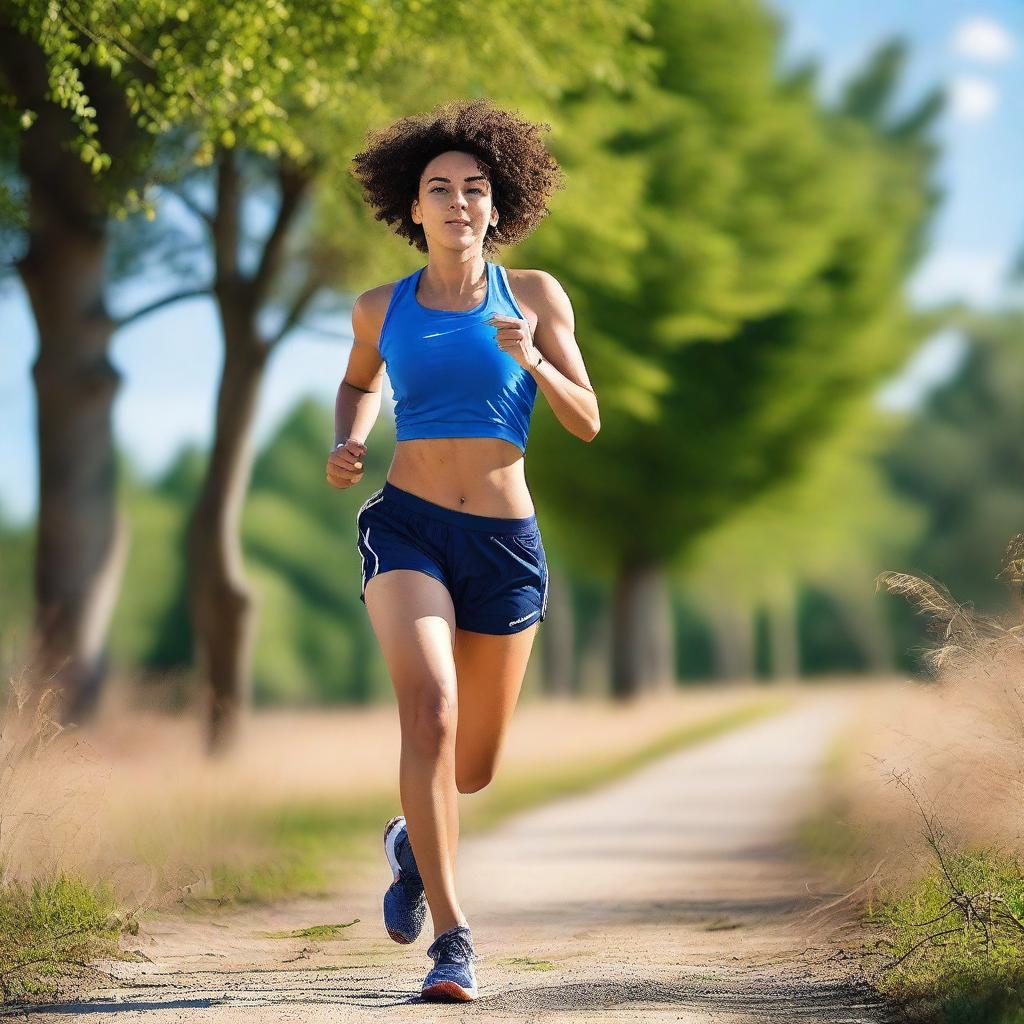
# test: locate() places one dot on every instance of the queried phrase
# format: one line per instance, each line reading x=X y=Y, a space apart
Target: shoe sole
x=448 y=991
x=390 y=834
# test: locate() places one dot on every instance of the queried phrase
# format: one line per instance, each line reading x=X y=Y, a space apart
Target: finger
x=338 y=474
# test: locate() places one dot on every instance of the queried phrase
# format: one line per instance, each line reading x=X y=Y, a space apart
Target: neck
x=453 y=278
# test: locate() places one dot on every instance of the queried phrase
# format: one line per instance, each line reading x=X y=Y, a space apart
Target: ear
x=414 y=210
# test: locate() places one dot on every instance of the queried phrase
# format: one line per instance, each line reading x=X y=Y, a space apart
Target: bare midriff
x=485 y=476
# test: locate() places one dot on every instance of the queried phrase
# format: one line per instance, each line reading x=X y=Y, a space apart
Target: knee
x=467 y=782
x=431 y=725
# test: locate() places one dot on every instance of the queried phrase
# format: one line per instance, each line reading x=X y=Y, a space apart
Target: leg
x=490 y=671
x=414 y=620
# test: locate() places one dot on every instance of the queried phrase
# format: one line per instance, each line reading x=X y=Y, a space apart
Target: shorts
x=495 y=569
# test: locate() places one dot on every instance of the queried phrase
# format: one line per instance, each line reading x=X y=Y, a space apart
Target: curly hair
x=522 y=173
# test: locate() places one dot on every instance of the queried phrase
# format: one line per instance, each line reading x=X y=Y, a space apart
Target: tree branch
x=306 y=295
x=187 y=200
x=151 y=307
x=294 y=183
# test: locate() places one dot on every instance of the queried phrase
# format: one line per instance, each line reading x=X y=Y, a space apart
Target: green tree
x=760 y=286
x=959 y=459
x=284 y=91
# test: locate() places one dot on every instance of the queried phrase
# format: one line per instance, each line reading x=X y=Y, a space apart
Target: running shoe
x=452 y=978
x=405 y=903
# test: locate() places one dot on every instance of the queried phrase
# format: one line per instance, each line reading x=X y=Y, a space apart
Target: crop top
x=448 y=374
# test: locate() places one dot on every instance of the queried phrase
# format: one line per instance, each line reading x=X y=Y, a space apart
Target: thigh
x=413 y=618
x=490 y=670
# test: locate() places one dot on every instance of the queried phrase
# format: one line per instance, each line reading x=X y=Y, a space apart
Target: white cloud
x=983 y=39
x=973 y=98
x=971 y=275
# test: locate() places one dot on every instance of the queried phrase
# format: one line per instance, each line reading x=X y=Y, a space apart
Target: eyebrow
x=475 y=177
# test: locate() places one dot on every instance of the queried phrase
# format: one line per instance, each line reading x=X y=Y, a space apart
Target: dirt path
x=670 y=895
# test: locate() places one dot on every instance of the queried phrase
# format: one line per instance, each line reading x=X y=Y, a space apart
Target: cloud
x=971 y=275
x=973 y=98
x=983 y=39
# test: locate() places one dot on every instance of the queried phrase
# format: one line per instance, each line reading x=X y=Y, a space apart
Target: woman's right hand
x=345 y=464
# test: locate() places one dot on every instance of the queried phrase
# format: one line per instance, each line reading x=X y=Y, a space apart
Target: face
x=453 y=188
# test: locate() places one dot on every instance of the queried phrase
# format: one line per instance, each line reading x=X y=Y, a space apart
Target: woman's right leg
x=414 y=620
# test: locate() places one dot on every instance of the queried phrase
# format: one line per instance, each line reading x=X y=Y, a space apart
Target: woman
x=454 y=575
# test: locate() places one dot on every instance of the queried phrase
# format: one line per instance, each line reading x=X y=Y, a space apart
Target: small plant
x=51 y=922
x=953 y=939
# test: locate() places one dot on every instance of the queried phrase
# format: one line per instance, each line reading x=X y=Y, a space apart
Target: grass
x=303 y=844
x=526 y=963
x=511 y=795
x=50 y=931
x=828 y=835
x=955 y=939
x=950 y=944
x=319 y=932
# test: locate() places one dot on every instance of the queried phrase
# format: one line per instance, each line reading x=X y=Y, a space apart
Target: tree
x=759 y=288
x=220 y=84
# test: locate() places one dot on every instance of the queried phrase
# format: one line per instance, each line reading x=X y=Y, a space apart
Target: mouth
x=459 y=223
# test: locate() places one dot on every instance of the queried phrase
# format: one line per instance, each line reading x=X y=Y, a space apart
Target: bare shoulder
x=540 y=295
x=369 y=310
x=537 y=284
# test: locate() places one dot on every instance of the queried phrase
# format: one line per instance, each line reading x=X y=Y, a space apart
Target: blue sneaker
x=405 y=903
x=452 y=978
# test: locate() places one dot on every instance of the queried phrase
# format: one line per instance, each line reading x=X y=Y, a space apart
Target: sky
x=171 y=362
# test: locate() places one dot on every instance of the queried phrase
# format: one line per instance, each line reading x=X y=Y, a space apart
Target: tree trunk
x=784 y=634
x=643 y=647
x=558 y=636
x=733 y=628
x=220 y=603
x=863 y=614
x=81 y=540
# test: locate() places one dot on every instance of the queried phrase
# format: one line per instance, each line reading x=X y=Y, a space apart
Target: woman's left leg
x=489 y=671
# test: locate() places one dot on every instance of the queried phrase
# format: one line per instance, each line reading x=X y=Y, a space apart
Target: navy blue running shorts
x=495 y=569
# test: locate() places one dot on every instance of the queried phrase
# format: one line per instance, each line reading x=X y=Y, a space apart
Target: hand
x=345 y=464
x=516 y=338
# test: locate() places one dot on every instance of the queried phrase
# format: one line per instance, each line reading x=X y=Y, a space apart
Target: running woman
x=454 y=574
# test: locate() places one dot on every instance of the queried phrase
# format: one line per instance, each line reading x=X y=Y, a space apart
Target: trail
x=670 y=895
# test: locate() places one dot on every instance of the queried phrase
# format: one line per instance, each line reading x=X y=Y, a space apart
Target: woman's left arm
x=552 y=355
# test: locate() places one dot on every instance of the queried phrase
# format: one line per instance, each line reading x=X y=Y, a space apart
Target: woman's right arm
x=357 y=404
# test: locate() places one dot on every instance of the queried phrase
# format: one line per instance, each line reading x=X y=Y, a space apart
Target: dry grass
x=133 y=800
x=927 y=816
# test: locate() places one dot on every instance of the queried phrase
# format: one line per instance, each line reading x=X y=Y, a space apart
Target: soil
x=674 y=894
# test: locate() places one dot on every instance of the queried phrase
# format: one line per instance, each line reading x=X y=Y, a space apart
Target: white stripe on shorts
x=376 y=568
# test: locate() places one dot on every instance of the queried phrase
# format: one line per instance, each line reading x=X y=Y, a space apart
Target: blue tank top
x=449 y=377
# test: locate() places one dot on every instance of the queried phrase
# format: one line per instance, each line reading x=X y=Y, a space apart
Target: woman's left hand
x=516 y=338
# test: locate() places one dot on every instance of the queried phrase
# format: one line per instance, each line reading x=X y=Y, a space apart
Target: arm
x=560 y=372
x=357 y=404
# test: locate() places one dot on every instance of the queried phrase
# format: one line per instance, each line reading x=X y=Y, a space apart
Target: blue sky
x=171 y=361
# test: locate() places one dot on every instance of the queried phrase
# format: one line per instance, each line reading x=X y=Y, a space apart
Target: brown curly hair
x=522 y=173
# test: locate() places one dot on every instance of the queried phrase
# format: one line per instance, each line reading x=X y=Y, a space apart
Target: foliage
x=756 y=294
